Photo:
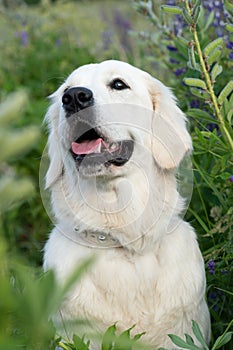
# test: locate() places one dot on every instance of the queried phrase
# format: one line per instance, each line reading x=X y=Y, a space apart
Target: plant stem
x=208 y=81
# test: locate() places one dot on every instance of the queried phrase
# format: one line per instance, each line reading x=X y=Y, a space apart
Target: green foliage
x=200 y=63
x=42 y=44
x=13 y=143
x=190 y=344
x=123 y=341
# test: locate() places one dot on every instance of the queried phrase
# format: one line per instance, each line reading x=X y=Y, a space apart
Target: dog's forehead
x=81 y=74
x=104 y=71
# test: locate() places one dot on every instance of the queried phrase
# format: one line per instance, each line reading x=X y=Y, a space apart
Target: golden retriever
x=116 y=139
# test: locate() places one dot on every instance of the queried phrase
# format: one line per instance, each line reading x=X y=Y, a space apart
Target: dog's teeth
x=98 y=148
x=113 y=146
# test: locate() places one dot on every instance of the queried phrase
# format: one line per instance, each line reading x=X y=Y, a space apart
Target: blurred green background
x=43 y=41
x=40 y=45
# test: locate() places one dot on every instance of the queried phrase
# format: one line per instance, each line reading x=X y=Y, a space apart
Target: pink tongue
x=88 y=147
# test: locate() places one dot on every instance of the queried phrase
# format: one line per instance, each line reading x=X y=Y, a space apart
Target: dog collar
x=97 y=239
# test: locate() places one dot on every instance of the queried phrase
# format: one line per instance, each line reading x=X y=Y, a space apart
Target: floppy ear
x=170 y=138
x=54 y=152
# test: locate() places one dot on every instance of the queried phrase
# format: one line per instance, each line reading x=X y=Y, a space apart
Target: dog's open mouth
x=92 y=149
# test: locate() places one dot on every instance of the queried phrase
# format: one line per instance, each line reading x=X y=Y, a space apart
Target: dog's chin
x=104 y=162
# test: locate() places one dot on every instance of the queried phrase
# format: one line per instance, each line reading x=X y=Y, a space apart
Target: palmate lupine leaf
x=189 y=343
x=107 y=343
x=80 y=343
x=181 y=343
x=198 y=334
x=123 y=341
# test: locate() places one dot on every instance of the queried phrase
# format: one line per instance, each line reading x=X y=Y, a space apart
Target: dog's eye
x=118 y=84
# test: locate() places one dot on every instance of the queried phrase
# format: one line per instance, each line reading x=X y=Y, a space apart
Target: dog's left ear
x=54 y=152
x=170 y=138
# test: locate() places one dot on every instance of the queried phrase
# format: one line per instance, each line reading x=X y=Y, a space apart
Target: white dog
x=116 y=139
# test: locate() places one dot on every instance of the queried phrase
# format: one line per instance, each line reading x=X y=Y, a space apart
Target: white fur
x=156 y=280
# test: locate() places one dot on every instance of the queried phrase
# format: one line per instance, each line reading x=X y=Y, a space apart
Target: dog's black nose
x=77 y=98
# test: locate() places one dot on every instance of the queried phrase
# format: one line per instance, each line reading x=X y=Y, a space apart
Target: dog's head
x=100 y=115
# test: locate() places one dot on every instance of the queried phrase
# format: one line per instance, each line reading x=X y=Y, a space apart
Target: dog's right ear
x=54 y=151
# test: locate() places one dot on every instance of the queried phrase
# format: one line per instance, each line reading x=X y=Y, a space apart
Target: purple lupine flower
x=231 y=178
x=58 y=42
x=24 y=38
x=211 y=267
x=107 y=36
x=23 y=35
x=173 y=61
x=123 y=26
x=229 y=45
x=194 y=104
x=220 y=15
x=180 y=71
x=171 y=48
x=231 y=55
x=212 y=126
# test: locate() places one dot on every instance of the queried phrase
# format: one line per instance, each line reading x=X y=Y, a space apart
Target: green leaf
x=214 y=56
x=79 y=343
x=197 y=3
x=187 y=17
x=228 y=5
x=181 y=343
x=174 y=10
x=108 y=337
x=183 y=42
x=217 y=43
x=229 y=27
x=195 y=82
x=196 y=14
x=197 y=332
x=225 y=92
x=222 y=340
x=200 y=93
x=200 y=114
x=216 y=70
x=192 y=60
x=224 y=176
x=138 y=336
x=189 y=339
x=229 y=116
x=208 y=21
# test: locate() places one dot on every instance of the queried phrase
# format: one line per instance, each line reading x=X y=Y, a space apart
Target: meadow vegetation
x=186 y=44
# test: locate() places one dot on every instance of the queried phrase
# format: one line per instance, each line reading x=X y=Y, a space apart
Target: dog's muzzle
x=89 y=147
